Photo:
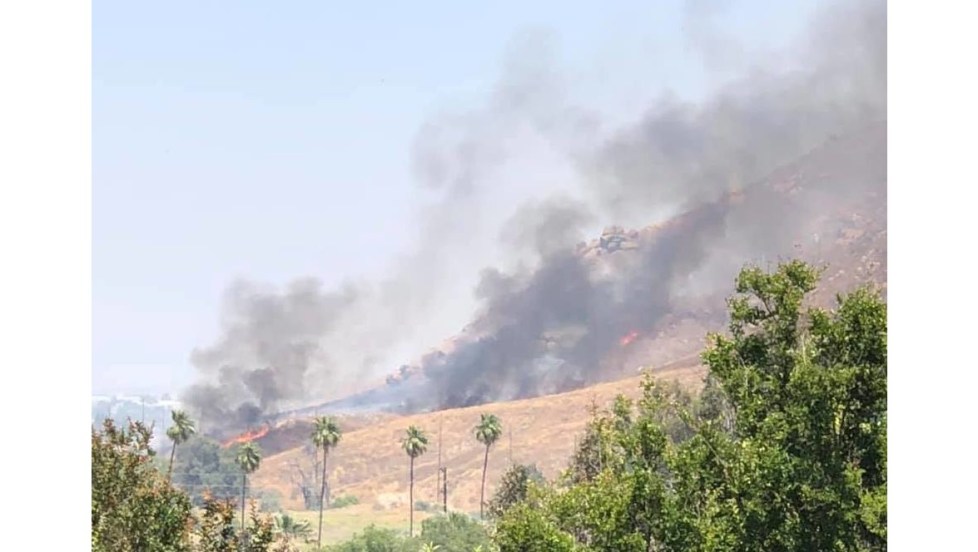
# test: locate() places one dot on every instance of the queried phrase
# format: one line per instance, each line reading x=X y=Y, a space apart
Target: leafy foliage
x=344 y=501
x=527 y=529
x=133 y=507
x=488 y=430
x=204 y=468
x=248 y=458
x=326 y=433
x=514 y=487
x=415 y=442
x=785 y=449
x=216 y=531
x=454 y=532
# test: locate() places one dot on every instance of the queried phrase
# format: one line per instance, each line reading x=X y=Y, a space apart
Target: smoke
x=687 y=157
x=515 y=186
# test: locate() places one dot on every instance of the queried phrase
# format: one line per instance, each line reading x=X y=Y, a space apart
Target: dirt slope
x=370 y=464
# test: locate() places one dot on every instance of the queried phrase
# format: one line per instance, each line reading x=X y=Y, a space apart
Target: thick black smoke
x=690 y=157
x=551 y=329
x=547 y=315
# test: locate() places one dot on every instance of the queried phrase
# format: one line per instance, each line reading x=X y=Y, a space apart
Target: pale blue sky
x=271 y=140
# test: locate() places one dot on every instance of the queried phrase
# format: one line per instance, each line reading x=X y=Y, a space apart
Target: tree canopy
x=785 y=448
x=488 y=430
x=415 y=442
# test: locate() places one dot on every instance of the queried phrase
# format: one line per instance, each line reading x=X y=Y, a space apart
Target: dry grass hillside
x=370 y=464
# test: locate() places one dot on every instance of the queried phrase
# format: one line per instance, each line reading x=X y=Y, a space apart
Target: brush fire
x=248 y=436
x=628 y=338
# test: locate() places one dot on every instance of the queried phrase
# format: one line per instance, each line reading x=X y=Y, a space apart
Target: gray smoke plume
x=690 y=157
x=549 y=172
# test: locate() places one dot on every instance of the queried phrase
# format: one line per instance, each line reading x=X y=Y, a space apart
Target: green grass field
x=342 y=523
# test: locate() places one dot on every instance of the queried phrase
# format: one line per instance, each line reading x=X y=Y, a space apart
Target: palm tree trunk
x=169 y=471
x=322 y=502
x=244 y=483
x=411 y=499
x=482 y=494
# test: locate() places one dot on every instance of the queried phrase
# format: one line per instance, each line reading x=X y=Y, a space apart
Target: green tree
x=180 y=432
x=215 y=528
x=513 y=488
x=527 y=529
x=454 y=532
x=415 y=443
x=215 y=531
x=487 y=432
x=248 y=459
x=204 y=467
x=326 y=435
x=133 y=507
x=785 y=449
x=809 y=390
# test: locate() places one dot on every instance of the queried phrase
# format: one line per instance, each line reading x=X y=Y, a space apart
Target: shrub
x=376 y=539
x=513 y=488
x=344 y=501
x=454 y=532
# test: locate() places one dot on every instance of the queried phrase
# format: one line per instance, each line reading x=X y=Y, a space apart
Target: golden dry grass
x=370 y=464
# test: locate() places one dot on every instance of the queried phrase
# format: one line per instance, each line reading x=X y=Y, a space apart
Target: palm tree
x=415 y=444
x=326 y=435
x=291 y=527
x=181 y=431
x=248 y=459
x=487 y=432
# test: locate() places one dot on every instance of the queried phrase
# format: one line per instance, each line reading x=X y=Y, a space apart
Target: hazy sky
x=272 y=140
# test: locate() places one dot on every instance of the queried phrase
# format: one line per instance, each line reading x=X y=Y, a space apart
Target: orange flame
x=247 y=436
x=628 y=338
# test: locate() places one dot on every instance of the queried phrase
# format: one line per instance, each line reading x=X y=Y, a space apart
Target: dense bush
x=344 y=501
x=202 y=467
x=513 y=487
x=454 y=532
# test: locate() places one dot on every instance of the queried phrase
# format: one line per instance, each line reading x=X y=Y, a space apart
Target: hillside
x=828 y=207
x=370 y=464
x=647 y=296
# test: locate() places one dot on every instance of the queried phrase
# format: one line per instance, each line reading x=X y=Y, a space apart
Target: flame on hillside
x=248 y=436
x=628 y=338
